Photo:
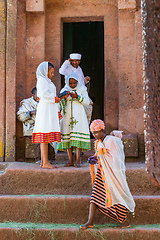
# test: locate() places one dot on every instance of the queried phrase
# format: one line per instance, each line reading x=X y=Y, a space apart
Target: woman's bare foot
x=86 y=225
x=69 y=164
x=48 y=166
x=125 y=224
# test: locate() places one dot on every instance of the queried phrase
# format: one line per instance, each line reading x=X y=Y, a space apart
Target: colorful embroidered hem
x=46 y=137
x=74 y=143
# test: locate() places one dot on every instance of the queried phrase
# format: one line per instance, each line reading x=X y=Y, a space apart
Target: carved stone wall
x=151 y=34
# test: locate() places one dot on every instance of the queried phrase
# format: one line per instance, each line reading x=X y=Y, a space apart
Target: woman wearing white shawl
x=74 y=125
x=110 y=194
x=47 y=128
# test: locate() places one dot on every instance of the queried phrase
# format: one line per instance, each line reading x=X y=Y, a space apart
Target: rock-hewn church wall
x=151 y=34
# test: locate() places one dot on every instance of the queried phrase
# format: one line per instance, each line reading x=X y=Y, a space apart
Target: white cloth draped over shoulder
x=112 y=159
x=47 y=128
x=23 y=115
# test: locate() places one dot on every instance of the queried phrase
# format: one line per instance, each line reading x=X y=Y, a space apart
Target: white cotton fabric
x=67 y=68
x=113 y=165
x=78 y=109
x=47 y=119
x=75 y=56
x=23 y=115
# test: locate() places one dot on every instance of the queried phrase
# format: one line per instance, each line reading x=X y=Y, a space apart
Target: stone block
x=126 y=4
x=130 y=142
x=30 y=149
x=35 y=5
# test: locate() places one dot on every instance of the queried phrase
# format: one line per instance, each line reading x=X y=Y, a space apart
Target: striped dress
x=117 y=212
x=110 y=192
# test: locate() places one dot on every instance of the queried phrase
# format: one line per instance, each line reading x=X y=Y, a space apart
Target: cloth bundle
x=92 y=160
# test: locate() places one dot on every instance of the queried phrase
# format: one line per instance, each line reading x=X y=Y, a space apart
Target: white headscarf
x=75 y=76
x=45 y=87
x=42 y=71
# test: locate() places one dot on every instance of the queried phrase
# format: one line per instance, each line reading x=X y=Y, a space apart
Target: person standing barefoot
x=47 y=128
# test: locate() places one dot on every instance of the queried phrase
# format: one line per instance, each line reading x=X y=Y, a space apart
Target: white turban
x=75 y=56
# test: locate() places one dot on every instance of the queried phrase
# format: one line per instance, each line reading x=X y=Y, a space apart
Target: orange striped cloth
x=118 y=212
x=108 y=199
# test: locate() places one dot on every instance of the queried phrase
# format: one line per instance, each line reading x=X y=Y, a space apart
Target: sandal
x=85 y=227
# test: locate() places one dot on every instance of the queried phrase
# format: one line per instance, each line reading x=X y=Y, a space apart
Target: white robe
x=47 y=120
x=23 y=115
x=79 y=135
x=67 y=68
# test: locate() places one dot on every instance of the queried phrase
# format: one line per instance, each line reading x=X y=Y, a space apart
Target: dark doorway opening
x=87 y=38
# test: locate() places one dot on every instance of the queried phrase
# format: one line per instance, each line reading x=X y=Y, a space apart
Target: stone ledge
x=35 y=6
x=16 y=231
x=127 y=4
x=130 y=142
x=70 y=209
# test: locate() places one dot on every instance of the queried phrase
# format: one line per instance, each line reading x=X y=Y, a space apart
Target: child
x=46 y=127
x=110 y=194
x=74 y=125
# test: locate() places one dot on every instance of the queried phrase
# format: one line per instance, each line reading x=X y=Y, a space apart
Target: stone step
x=28 y=178
x=62 y=157
x=19 y=231
x=70 y=209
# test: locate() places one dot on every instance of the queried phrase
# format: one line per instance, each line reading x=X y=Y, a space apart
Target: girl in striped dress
x=75 y=134
x=110 y=194
x=47 y=128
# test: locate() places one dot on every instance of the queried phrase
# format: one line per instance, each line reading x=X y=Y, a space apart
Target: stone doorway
x=87 y=38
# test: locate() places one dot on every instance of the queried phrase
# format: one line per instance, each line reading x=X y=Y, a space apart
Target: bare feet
x=48 y=166
x=69 y=164
x=86 y=225
x=125 y=224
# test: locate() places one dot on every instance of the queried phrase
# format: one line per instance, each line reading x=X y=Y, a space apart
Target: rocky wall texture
x=151 y=34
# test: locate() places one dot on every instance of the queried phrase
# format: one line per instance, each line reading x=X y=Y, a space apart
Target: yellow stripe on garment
x=102 y=151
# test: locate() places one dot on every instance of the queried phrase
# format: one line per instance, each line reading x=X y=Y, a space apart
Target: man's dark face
x=75 y=62
x=35 y=95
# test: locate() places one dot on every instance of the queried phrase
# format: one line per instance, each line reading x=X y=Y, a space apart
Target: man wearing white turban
x=72 y=65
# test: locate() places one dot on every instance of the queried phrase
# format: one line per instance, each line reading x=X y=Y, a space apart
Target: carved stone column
x=2 y=76
x=11 y=80
x=151 y=34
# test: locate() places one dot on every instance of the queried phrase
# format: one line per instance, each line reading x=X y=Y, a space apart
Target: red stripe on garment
x=46 y=137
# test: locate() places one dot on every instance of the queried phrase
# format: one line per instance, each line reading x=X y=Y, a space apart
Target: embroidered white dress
x=65 y=70
x=74 y=124
x=47 y=128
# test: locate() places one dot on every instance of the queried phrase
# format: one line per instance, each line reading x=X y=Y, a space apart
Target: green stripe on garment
x=78 y=133
x=74 y=143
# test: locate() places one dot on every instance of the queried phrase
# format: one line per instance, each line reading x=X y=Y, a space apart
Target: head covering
x=72 y=75
x=117 y=133
x=97 y=125
x=75 y=56
x=42 y=70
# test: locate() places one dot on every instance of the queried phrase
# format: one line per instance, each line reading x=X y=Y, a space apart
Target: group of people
x=64 y=120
